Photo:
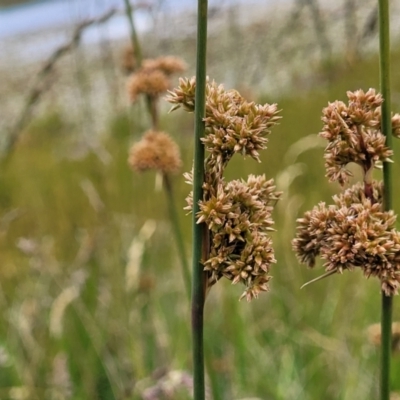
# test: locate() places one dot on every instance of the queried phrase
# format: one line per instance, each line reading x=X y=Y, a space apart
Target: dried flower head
x=156 y=150
x=374 y=335
x=152 y=82
x=233 y=125
x=167 y=64
x=238 y=219
x=128 y=60
x=354 y=134
x=355 y=232
x=237 y=213
x=152 y=78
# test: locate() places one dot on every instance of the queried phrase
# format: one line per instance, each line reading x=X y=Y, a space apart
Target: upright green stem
x=137 y=50
x=387 y=301
x=173 y=215
x=198 y=283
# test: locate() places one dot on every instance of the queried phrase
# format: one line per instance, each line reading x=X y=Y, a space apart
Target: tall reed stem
x=137 y=50
x=387 y=301
x=173 y=215
x=199 y=231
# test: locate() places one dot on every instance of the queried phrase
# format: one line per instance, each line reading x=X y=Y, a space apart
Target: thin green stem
x=386 y=345
x=387 y=301
x=173 y=215
x=199 y=231
x=137 y=50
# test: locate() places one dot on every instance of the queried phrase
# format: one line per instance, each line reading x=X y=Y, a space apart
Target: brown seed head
x=156 y=150
x=238 y=213
x=152 y=82
x=355 y=232
x=374 y=336
x=354 y=134
x=167 y=64
x=239 y=218
x=128 y=60
x=233 y=125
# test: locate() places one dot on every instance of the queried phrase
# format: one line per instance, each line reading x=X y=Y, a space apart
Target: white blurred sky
x=39 y=15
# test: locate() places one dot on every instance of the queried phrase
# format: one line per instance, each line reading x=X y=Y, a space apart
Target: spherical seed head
x=152 y=82
x=354 y=134
x=239 y=218
x=355 y=232
x=233 y=125
x=167 y=64
x=156 y=150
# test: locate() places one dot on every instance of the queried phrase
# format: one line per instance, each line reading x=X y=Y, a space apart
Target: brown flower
x=152 y=78
x=354 y=134
x=152 y=82
x=238 y=218
x=237 y=213
x=233 y=125
x=156 y=150
x=167 y=64
x=355 y=232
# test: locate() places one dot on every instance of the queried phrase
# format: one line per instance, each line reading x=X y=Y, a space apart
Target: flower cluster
x=237 y=213
x=354 y=134
x=156 y=150
x=233 y=125
x=354 y=232
x=153 y=77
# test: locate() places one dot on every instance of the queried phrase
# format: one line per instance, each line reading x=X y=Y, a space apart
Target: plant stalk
x=199 y=230
x=173 y=215
x=137 y=50
x=387 y=301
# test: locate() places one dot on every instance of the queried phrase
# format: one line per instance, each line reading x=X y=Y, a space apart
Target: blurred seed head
x=152 y=82
x=157 y=151
x=152 y=78
x=167 y=64
x=128 y=60
x=171 y=385
x=374 y=336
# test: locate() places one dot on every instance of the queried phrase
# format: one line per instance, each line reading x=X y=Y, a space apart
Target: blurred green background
x=92 y=299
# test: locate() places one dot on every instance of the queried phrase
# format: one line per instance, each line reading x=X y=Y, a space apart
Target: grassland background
x=92 y=301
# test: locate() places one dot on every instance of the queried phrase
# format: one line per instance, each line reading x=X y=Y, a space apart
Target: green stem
x=386 y=345
x=137 y=50
x=387 y=301
x=173 y=215
x=153 y=110
x=198 y=283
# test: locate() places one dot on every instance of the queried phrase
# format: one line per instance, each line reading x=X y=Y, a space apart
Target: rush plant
x=358 y=230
